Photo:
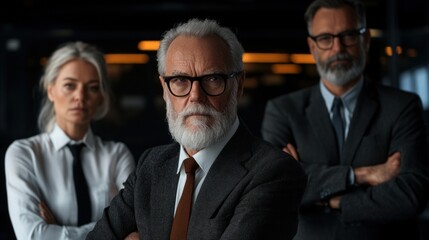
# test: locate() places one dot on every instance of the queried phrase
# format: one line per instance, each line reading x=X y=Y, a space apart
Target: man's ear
x=240 y=79
x=367 y=39
x=311 y=45
x=163 y=85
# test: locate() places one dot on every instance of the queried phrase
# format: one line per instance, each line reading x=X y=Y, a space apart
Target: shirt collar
x=206 y=157
x=60 y=139
x=349 y=98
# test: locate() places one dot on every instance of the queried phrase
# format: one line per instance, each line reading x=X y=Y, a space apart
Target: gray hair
x=64 y=54
x=356 y=5
x=200 y=28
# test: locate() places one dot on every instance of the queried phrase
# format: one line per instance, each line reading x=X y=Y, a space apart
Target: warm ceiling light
x=376 y=33
x=302 y=58
x=148 y=45
x=388 y=50
x=126 y=58
x=286 y=68
x=265 y=57
x=399 y=50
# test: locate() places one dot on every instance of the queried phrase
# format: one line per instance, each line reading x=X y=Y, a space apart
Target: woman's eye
x=69 y=85
x=94 y=88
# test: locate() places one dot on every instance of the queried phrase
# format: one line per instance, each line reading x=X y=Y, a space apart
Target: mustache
x=197 y=109
x=339 y=57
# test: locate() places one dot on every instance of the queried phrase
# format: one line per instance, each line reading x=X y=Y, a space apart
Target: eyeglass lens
x=213 y=84
x=348 y=38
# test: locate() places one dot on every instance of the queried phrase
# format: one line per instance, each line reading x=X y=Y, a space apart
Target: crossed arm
x=367 y=175
x=50 y=219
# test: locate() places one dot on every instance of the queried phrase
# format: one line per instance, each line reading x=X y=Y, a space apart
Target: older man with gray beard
x=362 y=145
x=217 y=181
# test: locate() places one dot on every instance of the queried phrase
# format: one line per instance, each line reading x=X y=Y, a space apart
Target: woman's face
x=76 y=94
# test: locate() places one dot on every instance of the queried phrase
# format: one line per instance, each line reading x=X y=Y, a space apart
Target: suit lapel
x=223 y=176
x=320 y=122
x=365 y=110
x=163 y=193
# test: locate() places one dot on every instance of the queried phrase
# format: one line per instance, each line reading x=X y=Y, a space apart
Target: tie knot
x=337 y=103
x=190 y=165
x=75 y=149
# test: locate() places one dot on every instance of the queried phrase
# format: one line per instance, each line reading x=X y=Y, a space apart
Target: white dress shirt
x=349 y=100
x=40 y=169
x=205 y=159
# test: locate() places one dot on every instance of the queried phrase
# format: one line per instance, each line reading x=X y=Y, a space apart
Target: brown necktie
x=179 y=230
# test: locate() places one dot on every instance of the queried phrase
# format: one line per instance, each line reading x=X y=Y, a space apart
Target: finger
x=286 y=150
x=292 y=151
x=394 y=159
x=395 y=155
x=44 y=211
x=132 y=236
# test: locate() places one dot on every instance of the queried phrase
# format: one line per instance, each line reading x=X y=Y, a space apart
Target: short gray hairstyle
x=64 y=54
x=201 y=28
x=356 y=5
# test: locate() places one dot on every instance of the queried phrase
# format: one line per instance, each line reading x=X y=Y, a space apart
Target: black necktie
x=81 y=186
x=179 y=230
x=338 y=122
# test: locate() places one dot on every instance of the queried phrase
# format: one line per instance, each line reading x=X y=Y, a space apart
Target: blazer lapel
x=163 y=194
x=320 y=122
x=223 y=176
x=366 y=109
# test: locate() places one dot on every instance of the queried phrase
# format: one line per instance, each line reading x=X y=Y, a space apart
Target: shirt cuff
x=351 y=178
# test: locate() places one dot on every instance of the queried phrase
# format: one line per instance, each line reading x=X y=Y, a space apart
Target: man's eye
x=213 y=78
x=179 y=80
x=350 y=34
x=324 y=38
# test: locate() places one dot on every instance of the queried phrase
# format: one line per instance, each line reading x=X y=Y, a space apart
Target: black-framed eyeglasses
x=212 y=84
x=347 y=38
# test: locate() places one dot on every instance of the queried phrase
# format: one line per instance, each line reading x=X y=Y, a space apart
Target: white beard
x=198 y=132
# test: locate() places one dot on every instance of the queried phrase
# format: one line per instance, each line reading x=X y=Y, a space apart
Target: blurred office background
x=272 y=32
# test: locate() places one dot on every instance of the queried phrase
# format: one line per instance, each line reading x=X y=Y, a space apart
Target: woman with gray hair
x=59 y=181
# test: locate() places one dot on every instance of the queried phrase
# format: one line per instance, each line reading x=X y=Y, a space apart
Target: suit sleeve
x=269 y=207
x=274 y=129
x=406 y=195
x=118 y=219
x=283 y=122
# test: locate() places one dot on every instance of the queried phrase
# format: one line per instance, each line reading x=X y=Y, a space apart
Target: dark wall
x=31 y=30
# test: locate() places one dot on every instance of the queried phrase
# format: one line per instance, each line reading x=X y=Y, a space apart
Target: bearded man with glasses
x=240 y=187
x=362 y=145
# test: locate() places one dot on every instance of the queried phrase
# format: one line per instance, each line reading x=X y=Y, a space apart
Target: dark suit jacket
x=385 y=120
x=252 y=191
